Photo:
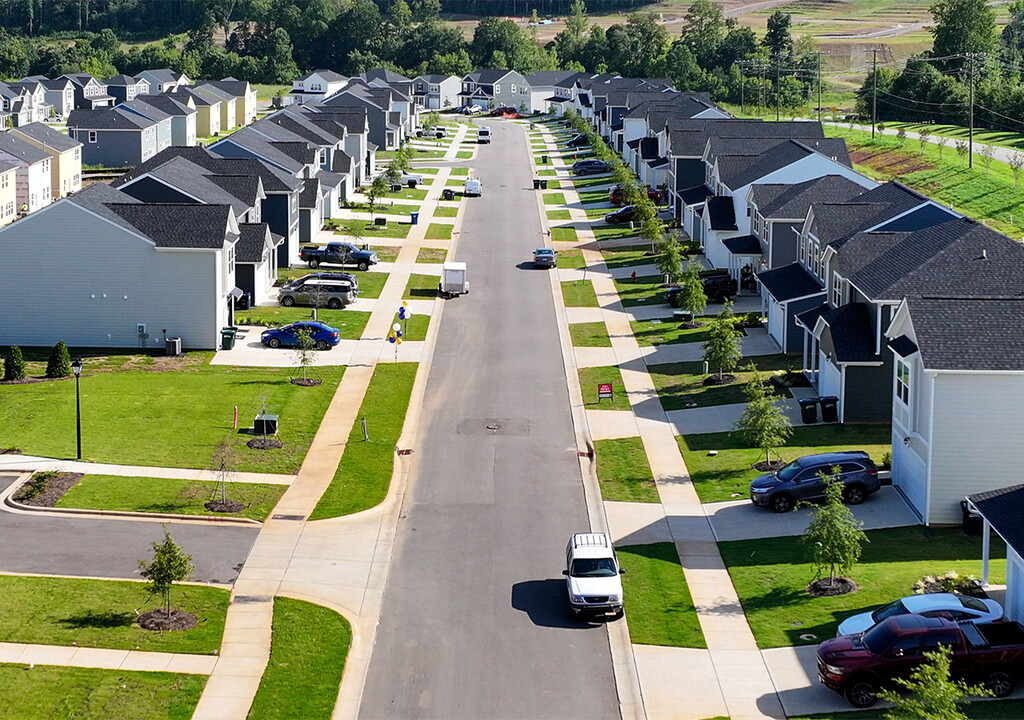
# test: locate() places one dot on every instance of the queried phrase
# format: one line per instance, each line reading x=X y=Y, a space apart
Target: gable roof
x=199 y=227
x=385 y=75
x=161 y=75
x=852 y=332
x=486 y=76
x=747 y=166
x=253 y=241
x=789 y=282
x=18 y=148
x=779 y=200
x=1003 y=509
x=721 y=212
x=688 y=136
x=273 y=179
x=170 y=105
x=49 y=137
x=327 y=75
x=958 y=333
x=113 y=118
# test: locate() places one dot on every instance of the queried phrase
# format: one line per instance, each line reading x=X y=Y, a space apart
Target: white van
x=483 y=135
x=473 y=188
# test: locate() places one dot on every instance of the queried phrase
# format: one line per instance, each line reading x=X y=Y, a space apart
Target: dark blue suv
x=801 y=480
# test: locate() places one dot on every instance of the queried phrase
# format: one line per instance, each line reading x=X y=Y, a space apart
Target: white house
x=33 y=174
x=163 y=80
x=316 y=85
x=436 y=92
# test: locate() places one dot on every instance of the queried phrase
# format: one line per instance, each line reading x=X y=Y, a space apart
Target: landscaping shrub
x=59 y=364
x=36 y=484
x=14 y=364
x=949 y=582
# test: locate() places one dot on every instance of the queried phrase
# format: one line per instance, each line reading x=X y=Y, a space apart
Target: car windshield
x=878 y=638
x=593 y=567
x=790 y=471
x=886 y=611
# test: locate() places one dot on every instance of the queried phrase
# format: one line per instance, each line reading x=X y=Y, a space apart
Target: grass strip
x=168 y=495
x=308 y=648
x=364 y=473
x=431 y=255
x=363 y=230
x=571 y=259
x=444 y=211
x=102 y=613
x=421 y=286
x=623 y=471
x=591 y=377
x=645 y=290
x=439 y=231
x=47 y=692
x=681 y=384
x=559 y=215
x=592 y=334
x=579 y=293
x=667 y=331
x=555 y=198
x=414 y=327
x=656 y=598
x=563 y=234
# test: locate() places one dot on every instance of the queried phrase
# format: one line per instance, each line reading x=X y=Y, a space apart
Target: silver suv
x=592 y=575
x=317 y=292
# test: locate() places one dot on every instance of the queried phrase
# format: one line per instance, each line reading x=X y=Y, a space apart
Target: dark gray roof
x=792 y=201
x=169 y=104
x=201 y=99
x=648 y=148
x=229 y=86
x=743 y=245
x=20 y=149
x=789 y=282
x=58 y=141
x=742 y=169
x=113 y=118
x=903 y=346
x=548 y=77
x=957 y=333
x=809 y=318
x=328 y=75
x=487 y=76
x=853 y=334
x=688 y=136
x=253 y=239
x=722 y=213
x=310 y=194
x=122 y=80
x=385 y=75
x=1003 y=509
x=695 y=195
x=142 y=106
x=271 y=178
x=202 y=227
x=434 y=78
x=163 y=75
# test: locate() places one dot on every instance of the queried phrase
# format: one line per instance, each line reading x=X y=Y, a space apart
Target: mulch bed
x=32 y=379
x=262 y=443
x=159 y=620
x=54 y=490
x=772 y=466
x=223 y=506
x=839 y=586
x=306 y=382
x=691 y=325
x=716 y=380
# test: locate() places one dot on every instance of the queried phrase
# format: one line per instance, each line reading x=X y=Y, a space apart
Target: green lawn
x=623 y=471
x=364 y=231
x=459 y=171
x=455 y=183
x=414 y=327
x=444 y=211
x=555 y=198
x=388 y=209
x=431 y=255
x=559 y=215
x=563 y=234
x=592 y=334
x=364 y=473
x=417 y=154
x=102 y=613
x=464 y=154
x=591 y=197
x=308 y=647
x=165 y=495
x=657 y=600
x=421 y=286
x=176 y=412
x=386 y=253
x=266 y=93
x=47 y=692
x=591 y=181
x=546 y=173
x=439 y=231
x=667 y=331
x=681 y=383
x=645 y=290
x=629 y=256
x=571 y=259
x=770 y=575
x=604 y=231
x=591 y=377
x=350 y=323
x=576 y=293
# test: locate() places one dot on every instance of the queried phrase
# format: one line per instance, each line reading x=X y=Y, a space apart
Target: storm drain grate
x=494 y=426
x=279 y=516
x=251 y=599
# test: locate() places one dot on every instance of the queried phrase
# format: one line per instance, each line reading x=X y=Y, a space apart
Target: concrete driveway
x=741 y=520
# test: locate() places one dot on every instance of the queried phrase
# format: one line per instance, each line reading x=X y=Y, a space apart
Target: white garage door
x=776 y=323
x=829 y=377
x=908 y=474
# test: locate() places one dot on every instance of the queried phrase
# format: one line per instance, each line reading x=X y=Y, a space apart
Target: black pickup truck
x=858 y=665
x=338 y=253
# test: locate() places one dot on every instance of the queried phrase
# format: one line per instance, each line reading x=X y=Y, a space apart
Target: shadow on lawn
x=100 y=620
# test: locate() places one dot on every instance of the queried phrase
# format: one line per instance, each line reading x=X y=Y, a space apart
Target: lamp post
x=76 y=368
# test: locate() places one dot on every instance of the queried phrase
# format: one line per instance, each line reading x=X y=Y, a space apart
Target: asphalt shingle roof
x=252 y=242
x=58 y=141
x=202 y=227
x=722 y=213
x=113 y=118
x=787 y=201
x=1003 y=509
x=957 y=333
x=20 y=149
x=743 y=245
x=853 y=335
x=789 y=282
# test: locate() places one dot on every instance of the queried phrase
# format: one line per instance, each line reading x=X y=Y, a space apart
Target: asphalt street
x=108 y=547
x=475 y=621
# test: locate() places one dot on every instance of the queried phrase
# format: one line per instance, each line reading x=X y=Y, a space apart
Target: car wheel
x=364 y=265
x=781 y=503
x=334 y=303
x=321 y=345
x=862 y=692
x=854 y=494
x=274 y=342
x=314 y=263
x=999 y=681
x=287 y=301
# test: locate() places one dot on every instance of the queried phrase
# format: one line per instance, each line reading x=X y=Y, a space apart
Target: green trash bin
x=227 y=338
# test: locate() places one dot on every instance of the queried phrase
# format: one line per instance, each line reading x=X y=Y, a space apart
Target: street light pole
x=76 y=368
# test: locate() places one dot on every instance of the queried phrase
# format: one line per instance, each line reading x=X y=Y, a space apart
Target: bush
x=14 y=364
x=59 y=364
x=949 y=582
x=886 y=460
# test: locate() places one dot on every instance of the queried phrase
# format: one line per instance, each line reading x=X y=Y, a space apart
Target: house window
x=231 y=259
x=5 y=180
x=92 y=136
x=837 y=290
x=903 y=381
x=513 y=88
x=78 y=154
x=497 y=89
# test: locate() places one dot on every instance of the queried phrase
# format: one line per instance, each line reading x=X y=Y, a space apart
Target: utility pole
x=742 y=64
x=819 y=53
x=778 y=95
x=971 y=57
x=874 y=90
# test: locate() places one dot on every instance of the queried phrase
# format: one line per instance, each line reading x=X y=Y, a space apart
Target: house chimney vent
x=984 y=254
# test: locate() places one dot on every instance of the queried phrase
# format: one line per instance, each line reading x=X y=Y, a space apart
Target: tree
x=933 y=694
x=962 y=26
x=59 y=364
x=692 y=297
x=14 y=364
x=703 y=31
x=722 y=348
x=922 y=136
x=962 y=148
x=378 y=189
x=1016 y=165
x=834 y=536
x=170 y=564
x=941 y=141
x=223 y=462
x=987 y=153
x=670 y=260
x=426 y=10
x=901 y=136
x=777 y=36
x=305 y=351
x=763 y=423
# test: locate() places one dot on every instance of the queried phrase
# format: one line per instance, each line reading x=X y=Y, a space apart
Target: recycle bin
x=447 y=194
x=414 y=218
x=227 y=338
x=536 y=184
x=543 y=184
x=809 y=410
x=972 y=521
x=829 y=408
x=544 y=159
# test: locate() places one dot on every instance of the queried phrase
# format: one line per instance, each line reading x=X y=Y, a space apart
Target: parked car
x=615 y=195
x=545 y=258
x=483 y=136
x=592 y=575
x=338 y=253
x=578 y=141
x=440 y=131
x=958 y=608
x=857 y=666
x=473 y=187
x=589 y=167
x=471 y=109
x=333 y=294
x=504 y=110
x=718 y=287
x=296 y=282
x=802 y=480
x=323 y=336
x=622 y=215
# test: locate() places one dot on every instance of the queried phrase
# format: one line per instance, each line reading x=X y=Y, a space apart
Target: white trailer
x=453 y=280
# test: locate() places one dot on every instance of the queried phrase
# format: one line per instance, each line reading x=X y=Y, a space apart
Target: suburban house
x=646 y=121
x=361 y=156
x=244 y=96
x=8 y=192
x=436 y=92
x=256 y=260
x=19 y=104
x=207 y=110
x=59 y=94
x=490 y=88
x=125 y=88
x=33 y=100
x=90 y=93
x=181 y=109
x=583 y=92
x=549 y=89
x=32 y=174
x=316 y=85
x=224 y=102
x=65 y=157
x=1001 y=511
x=163 y=80
x=164 y=121
x=385 y=129
x=115 y=137
x=382 y=77
x=128 y=271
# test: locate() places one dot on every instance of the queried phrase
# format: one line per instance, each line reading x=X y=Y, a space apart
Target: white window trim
x=902 y=382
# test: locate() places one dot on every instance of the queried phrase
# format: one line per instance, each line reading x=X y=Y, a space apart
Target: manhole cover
x=279 y=516
x=251 y=599
x=494 y=426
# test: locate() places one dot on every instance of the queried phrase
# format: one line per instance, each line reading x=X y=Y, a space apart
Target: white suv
x=592 y=575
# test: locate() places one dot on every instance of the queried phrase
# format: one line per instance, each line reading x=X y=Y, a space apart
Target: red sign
x=604 y=390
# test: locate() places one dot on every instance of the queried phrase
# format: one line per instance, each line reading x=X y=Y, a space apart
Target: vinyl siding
x=868 y=393
x=87 y=258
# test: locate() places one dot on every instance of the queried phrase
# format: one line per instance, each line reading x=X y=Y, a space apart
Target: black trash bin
x=972 y=520
x=536 y=184
x=227 y=338
x=809 y=410
x=544 y=159
x=543 y=184
x=829 y=408
x=447 y=194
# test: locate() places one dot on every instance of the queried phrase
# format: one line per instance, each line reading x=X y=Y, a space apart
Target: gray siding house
x=490 y=88
x=114 y=137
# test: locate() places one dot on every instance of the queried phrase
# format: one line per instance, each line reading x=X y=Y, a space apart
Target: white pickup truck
x=592 y=575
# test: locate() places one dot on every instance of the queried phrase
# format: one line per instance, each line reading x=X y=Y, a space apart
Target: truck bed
x=993 y=635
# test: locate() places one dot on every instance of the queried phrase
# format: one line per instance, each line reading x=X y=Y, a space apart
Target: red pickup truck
x=857 y=665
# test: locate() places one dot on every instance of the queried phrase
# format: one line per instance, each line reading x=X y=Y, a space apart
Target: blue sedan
x=323 y=336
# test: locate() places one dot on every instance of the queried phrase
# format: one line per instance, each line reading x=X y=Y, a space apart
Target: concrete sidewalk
x=87 y=657
x=30 y=463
